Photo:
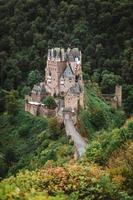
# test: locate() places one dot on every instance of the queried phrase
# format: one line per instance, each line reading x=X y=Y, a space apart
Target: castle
x=63 y=80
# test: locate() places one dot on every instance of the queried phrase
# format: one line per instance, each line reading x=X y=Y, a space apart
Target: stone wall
x=114 y=103
x=33 y=109
x=56 y=69
x=39 y=110
x=71 y=101
x=81 y=100
x=118 y=94
x=114 y=99
x=37 y=97
x=43 y=111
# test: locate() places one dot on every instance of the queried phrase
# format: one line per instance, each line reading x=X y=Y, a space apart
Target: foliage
x=28 y=142
x=105 y=143
x=120 y=166
x=38 y=149
x=49 y=102
x=34 y=77
x=11 y=103
x=128 y=98
x=2 y=100
x=98 y=114
x=71 y=182
x=101 y=29
x=25 y=91
x=108 y=82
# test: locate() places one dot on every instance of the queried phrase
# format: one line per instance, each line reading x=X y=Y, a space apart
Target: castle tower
x=55 y=66
x=118 y=94
x=63 y=70
x=62 y=55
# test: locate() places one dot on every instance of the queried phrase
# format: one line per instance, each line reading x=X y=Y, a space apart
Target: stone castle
x=63 y=80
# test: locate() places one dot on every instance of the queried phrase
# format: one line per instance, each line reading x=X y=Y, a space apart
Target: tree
x=3 y=166
x=25 y=90
x=127 y=65
x=10 y=156
x=2 y=100
x=128 y=98
x=109 y=80
x=53 y=129
x=34 y=77
x=11 y=103
x=49 y=102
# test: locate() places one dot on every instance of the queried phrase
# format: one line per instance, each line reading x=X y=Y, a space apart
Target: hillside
x=101 y=29
x=28 y=142
x=38 y=148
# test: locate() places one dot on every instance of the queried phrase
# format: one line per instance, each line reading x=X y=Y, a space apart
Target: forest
x=36 y=156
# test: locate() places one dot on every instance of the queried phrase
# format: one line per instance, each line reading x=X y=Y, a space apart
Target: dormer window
x=76 y=59
x=49 y=77
x=76 y=78
x=62 y=81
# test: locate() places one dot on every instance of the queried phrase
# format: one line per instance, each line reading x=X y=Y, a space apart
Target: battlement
x=59 y=54
x=56 y=54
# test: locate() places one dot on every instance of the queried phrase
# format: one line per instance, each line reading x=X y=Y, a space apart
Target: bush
x=49 y=102
x=3 y=166
x=105 y=143
x=23 y=130
x=71 y=182
x=98 y=119
x=11 y=103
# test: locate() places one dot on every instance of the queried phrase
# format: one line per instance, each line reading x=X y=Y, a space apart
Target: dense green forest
x=101 y=29
x=36 y=158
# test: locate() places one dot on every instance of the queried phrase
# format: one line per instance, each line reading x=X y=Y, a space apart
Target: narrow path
x=79 y=142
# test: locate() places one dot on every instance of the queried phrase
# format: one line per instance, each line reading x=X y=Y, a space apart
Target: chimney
x=49 y=54
x=52 y=54
x=62 y=55
x=80 y=57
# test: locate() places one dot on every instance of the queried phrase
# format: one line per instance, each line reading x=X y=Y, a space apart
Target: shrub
x=49 y=102
x=98 y=119
x=11 y=103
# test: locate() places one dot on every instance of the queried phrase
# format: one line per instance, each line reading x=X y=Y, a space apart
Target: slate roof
x=72 y=54
x=40 y=89
x=68 y=72
x=76 y=89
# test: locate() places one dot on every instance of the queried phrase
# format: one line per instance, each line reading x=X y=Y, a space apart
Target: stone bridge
x=79 y=142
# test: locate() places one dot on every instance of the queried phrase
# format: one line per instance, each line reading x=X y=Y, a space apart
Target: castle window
x=77 y=77
x=70 y=80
